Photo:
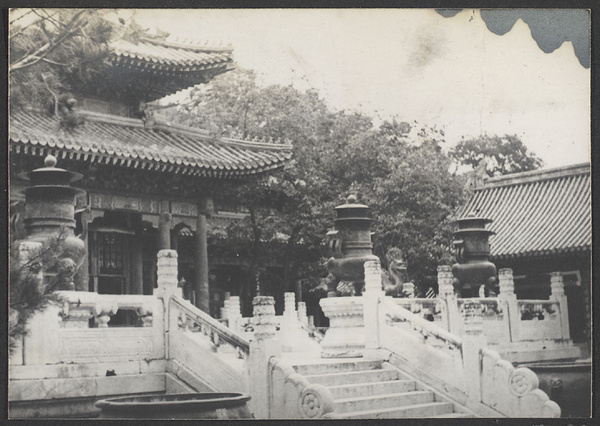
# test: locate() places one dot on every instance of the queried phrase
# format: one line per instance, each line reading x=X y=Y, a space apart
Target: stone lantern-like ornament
x=351 y=246
x=50 y=212
x=472 y=247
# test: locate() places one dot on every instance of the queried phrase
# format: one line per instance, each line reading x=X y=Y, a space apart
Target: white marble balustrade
x=65 y=333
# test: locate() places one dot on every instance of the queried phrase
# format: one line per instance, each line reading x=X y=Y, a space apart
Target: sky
x=411 y=64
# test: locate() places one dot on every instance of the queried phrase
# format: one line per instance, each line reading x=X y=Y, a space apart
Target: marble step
x=383 y=401
x=337 y=367
x=454 y=416
x=375 y=388
x=431 y=409
x=371 y=376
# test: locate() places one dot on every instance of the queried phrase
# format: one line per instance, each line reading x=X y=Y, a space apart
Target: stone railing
x=433 y=310
x=539 y=320
x=514 y=392
x=430 y=334
x=495 y=321
x=293 y=397
x=293 y=326
x=277 y=391
x=460 y=367
x=79 y=307
x=199 y=350
x=506 y=320
x=190 y=318
x=79 y=331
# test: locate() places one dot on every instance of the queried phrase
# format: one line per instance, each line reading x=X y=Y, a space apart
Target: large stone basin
x=218 y=406
x=566 y=383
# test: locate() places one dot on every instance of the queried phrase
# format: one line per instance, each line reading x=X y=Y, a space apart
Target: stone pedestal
x=232 y=312
x=345 y=337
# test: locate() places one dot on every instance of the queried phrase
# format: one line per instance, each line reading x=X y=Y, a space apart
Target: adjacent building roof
x=132 y=143
x=538 y=213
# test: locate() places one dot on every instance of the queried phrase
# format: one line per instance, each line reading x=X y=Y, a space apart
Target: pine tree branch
x=20 y=17
x=49 y=17
x=54 y=62
x=38 y=257
x=53 y=95
x=47 y=48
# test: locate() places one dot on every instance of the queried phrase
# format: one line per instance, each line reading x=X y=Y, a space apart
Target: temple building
x=148 y=181
x=542 y=221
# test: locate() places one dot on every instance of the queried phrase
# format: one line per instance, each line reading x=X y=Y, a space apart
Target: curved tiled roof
x=124 y=141
x=538 y=213
x=152 y=68
x=166 y=55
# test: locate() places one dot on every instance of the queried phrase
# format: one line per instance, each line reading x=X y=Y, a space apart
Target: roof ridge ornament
x=476 y=179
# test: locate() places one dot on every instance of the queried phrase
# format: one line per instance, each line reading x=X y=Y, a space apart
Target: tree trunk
x=288 y=262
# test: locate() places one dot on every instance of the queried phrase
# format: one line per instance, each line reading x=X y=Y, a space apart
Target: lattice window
x=110 y=253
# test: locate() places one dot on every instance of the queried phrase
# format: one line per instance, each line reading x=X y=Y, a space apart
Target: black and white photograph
x=299 y=214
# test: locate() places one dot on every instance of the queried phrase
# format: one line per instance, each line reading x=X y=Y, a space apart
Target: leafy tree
x=399 y=169
x=288 y=211
x=502 y=154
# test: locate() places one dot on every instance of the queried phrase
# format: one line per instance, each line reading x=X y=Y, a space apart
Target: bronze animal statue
x=395 y=276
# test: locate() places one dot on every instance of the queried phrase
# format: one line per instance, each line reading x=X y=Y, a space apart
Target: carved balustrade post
x=445 y=277
x=232 y=312
x=102 y=313
x=557 y=287
x=75 y=316
x=508 y=297
x=290 y=326
x=289 y=307
x=167 y=287
x=302 y=313
x=224 y=311
x=473 y=342
x=264 y=347
x=373 y=314
x=167 y=274
x=290 y=316
x=446 y=291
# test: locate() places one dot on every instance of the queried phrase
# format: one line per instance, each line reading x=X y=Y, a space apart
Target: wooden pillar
x=137 y=274
x=174 y=242
x=164 y=231
x=201 y=285
x=298 y=290
x=82 y=276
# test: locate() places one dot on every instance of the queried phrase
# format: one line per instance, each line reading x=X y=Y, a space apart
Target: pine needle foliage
x=28 y=292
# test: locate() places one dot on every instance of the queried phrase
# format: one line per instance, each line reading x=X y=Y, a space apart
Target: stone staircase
x=373 y=389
